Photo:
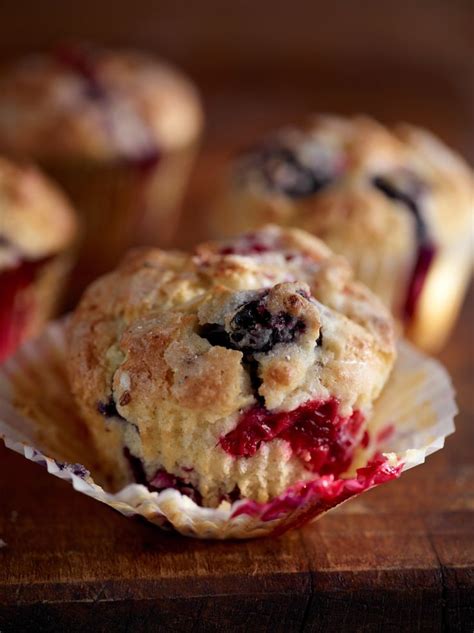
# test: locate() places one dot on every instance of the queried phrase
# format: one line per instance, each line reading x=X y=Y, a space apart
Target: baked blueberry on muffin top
x=234 y=372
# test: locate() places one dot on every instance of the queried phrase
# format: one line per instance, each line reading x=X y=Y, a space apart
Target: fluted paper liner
x=38 y=419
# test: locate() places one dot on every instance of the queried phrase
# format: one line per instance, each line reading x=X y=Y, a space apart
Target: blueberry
x=254 y=329
x=405 y=187
x=216 y=335
x=284 y=172
x=251 y=328
x=408 y=193
x=108 y=409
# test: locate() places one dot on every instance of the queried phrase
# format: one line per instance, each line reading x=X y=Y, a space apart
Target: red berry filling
x=16 y=304
x=307 y=500
x=424 y=259
x=317 y=434
x=163 y=480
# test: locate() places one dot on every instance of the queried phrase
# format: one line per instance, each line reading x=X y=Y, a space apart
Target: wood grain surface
x=400 y=558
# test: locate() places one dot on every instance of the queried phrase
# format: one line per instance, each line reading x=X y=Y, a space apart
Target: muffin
x=118 y=130
x=238 y=371
x=396 y=202
x=37 y=228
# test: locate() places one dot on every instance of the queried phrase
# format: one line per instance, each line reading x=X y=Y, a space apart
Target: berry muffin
x=396 y=202
x=37 y=228
x=118 y=130
x=235 y=372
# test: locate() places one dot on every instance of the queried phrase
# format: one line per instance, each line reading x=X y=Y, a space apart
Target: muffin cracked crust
x=95 y=104
x=236 y=371
x=396 y=202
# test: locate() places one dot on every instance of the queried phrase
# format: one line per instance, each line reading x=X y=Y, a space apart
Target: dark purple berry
x=284 y=172
x=254 y=329
x=216 y=335
x=136 y=466
x=410 y=193
x=108 y=409
x=146 y=161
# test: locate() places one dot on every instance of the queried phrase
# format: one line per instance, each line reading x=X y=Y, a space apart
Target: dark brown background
x=400 y=558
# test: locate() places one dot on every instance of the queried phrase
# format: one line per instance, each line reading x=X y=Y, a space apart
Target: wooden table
x=400 y=558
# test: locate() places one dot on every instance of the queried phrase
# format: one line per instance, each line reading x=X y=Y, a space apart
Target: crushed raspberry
x=310 y=499
x=16 y=304
x=162 y=480
x=318 y=435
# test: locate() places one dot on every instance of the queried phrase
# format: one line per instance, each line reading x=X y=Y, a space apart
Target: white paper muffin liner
x=39 y=419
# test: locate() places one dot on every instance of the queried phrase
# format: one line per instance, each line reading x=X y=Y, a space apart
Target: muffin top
x=175 y=347
x=352 y=181
x=84 y=103
x=36 y=220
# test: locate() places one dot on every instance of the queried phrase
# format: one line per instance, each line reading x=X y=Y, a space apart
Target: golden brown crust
x=36 y=220
x=49 y=111
x=138 y=340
